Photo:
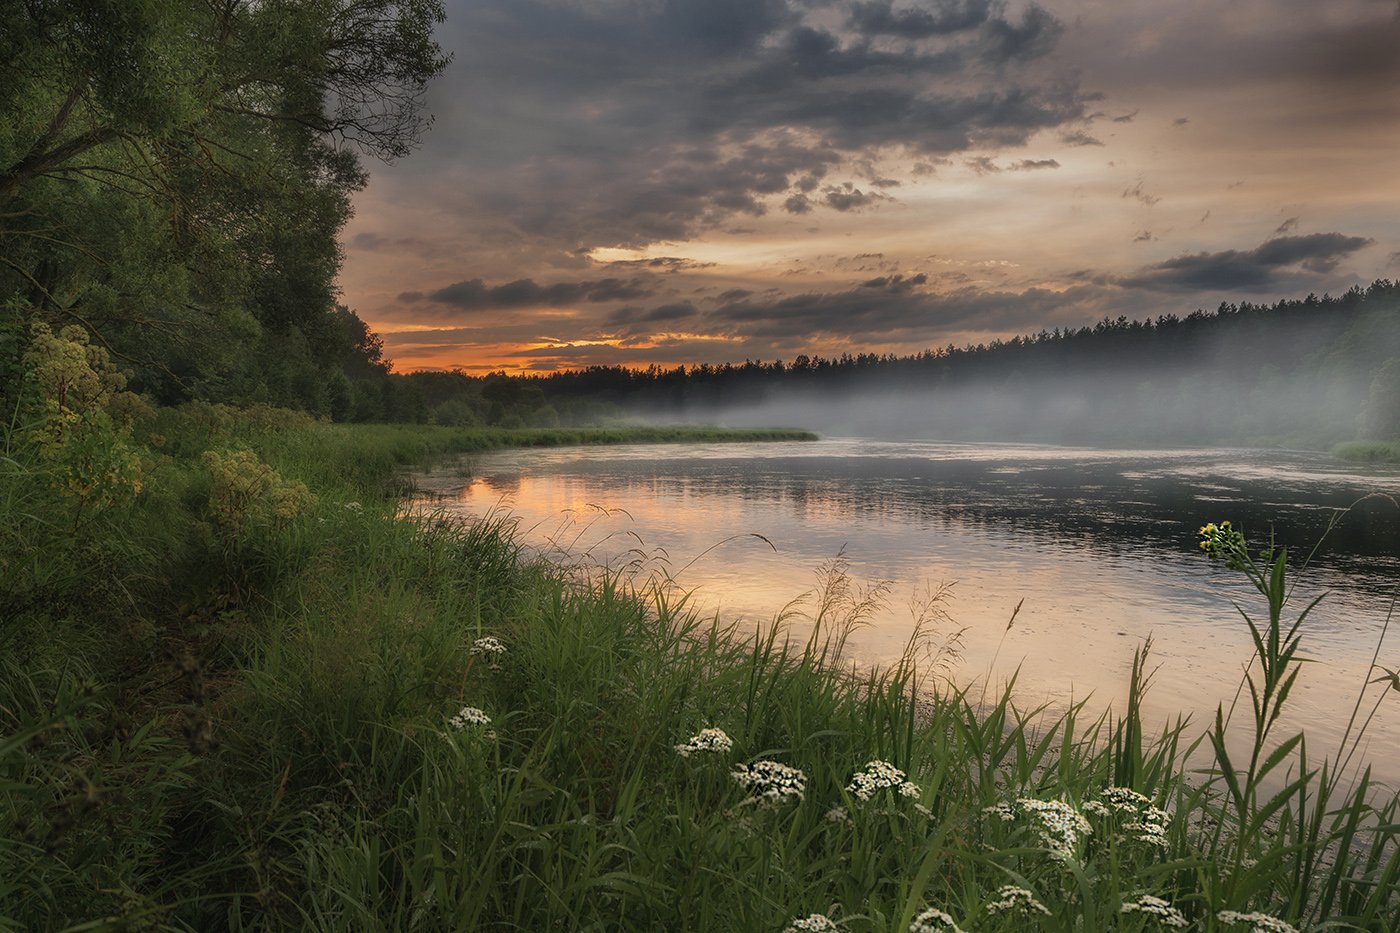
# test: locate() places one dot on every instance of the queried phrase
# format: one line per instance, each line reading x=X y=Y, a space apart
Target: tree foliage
x=173 y=174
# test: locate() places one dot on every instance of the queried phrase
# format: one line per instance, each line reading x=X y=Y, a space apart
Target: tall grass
x=281 y=753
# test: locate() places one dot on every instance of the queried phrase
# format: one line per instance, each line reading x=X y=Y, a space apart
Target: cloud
x=667 y=264
x=1231 y=270
x=982 y=165
x=950 y=16
x=1137 y=193
x=660 y=314
x=1288 y=226
x=655 y=122
x=1080 y=138
x=476 y=295
x=1031 y=165
x=848 y=197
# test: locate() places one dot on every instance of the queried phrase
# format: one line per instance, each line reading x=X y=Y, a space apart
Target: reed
x=197 y=735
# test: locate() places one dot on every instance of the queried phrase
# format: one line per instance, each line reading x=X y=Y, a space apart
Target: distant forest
x=174 y=177
x=1307 y=372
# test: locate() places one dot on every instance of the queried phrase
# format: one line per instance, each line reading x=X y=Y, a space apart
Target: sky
x=644 y=182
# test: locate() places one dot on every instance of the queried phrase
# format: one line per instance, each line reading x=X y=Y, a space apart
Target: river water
x=1097 y=547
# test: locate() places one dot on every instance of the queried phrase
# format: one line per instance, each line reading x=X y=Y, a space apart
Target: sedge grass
x=283 y=756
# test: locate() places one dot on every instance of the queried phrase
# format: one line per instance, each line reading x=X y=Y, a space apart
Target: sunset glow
x=618 y=182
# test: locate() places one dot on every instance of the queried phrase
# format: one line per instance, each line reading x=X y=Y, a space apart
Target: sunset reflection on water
x=1100 y=546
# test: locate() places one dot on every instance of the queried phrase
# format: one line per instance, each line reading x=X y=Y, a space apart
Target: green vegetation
x=1369 y=451
x=240 y=690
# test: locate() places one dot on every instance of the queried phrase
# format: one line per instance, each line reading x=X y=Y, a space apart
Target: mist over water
x=1100 y=545
x=1147 y=408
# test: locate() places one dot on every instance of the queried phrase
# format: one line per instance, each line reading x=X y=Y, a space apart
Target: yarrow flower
x=878 y=775
x=488 y=645
x=839 y=815
x=469 y=716
x=813 y=923
x=1002 y=811
x=1260 y=923
x=1059 y=825
x=1165 y=913
x=1020 y=900
x=771 y=783
x=933 y=920
x=712 y=740
x=354 y=507
x=1147 y=824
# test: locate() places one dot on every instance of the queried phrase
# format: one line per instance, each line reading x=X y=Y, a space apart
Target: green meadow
x=241 y=688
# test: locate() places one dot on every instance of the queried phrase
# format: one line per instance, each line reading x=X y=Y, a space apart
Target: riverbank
x=1369 y=451
x=254 y=694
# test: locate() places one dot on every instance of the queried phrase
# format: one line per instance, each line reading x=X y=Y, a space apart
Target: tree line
x=173 y=177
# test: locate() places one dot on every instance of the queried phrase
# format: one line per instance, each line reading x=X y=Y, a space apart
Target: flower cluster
x=840 y=816
x=1223 y=541
x=770 y=782
x=1146 y=823
x=488 y=645
x=1058 y=824
x=1002 y=811
x=469 y=716
x=711 y=740
x=1260 y=923
x=933 y=920
x=1020 y=900
x=814 y=923
x=1165 y=913
x=878 y=775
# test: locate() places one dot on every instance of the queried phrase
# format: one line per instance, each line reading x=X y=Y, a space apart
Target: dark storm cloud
x=1317 y=253
x=938 y=19
x=662 y=313
x=622 y=123
x=476 y=295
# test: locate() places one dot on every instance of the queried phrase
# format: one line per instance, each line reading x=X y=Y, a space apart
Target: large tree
x=173 y=173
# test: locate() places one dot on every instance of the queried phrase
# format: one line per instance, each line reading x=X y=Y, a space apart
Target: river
x=1097 y=547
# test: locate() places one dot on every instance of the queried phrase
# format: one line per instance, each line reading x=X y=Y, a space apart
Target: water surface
x=1098 y=547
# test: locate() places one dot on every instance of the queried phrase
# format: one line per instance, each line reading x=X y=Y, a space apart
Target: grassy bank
x=1369 y=451
x=248 y=695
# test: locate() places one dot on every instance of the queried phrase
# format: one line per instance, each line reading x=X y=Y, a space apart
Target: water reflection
x=1101 y=545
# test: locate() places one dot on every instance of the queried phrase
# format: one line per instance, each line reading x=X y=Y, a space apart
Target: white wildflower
x=1154 y=834
x=923 y=811
x=1020 y=900
x=488 y=645
x=469 y=716
x=1146 y=822
x=354 y=507
x=713 y=741
x=1165 y=913
x=770 y=782
x=1124 y=800
x=933 y=920
x=1059 y=825
x=878 y=775
x=839 y=815
x=1002 y=811
x=814 y=923
x=1259 y=923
